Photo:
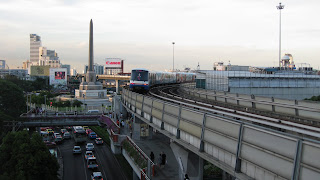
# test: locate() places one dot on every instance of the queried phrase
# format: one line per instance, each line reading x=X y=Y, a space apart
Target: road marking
x=102 y=169
x=85 y=170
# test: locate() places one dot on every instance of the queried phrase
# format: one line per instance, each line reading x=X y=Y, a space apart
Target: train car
x=143 y=79
x=139 y=79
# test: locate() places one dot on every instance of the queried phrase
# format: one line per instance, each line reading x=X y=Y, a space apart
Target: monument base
x=93 y=99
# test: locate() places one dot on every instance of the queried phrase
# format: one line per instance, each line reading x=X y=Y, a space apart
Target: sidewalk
x=159 y=143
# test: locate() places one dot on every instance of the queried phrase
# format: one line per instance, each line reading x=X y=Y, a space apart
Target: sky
x=244 y=32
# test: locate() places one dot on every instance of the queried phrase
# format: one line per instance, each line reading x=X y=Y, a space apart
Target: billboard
x=113 y=63
x=58 y=76
x=39 y=70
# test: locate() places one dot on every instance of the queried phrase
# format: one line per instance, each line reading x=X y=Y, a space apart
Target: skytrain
x=143 y=79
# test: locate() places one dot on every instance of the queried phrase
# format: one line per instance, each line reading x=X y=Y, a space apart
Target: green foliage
x=76 y=103
x=28 y=86
x=101 y=132
x=23 y=157
x=12 y=101
x=211 y=171
x=314 y=98
x=61 y=104
x=132 y=152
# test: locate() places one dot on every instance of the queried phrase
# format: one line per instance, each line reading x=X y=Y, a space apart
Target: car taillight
x=131 y=83
x=88 y=166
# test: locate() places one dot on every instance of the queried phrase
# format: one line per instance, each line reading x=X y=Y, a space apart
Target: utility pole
x=280 y=7
x=173 y=55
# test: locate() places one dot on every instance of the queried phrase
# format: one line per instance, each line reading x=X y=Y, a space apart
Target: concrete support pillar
x=117 y=86
x=115 y=148
x=189 y=162
x=150 y=132
x=136 y=128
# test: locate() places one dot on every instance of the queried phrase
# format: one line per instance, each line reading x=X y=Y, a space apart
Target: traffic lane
x=73 y=164
x=108 y=164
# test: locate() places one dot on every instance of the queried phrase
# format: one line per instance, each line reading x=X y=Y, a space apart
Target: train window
x=139 y=75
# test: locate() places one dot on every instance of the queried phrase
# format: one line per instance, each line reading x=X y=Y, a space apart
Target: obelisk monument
x=90 y=76
x=90 y=91
x=90 y=82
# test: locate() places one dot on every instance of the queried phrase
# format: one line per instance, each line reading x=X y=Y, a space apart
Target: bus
x=79 y=134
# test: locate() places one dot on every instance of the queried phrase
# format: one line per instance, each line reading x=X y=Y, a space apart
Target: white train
x=143 y=79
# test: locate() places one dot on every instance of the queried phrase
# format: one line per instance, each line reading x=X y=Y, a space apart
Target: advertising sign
x=39 y=70
x=58 y=76
x=113 y=63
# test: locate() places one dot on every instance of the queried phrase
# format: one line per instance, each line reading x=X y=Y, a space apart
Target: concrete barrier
x=244 y=150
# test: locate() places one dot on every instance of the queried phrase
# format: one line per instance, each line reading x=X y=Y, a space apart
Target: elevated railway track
x=290 y=125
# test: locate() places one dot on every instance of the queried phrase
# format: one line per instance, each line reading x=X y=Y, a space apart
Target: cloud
x=141 y=31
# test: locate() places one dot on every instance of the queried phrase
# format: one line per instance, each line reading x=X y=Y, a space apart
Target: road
x=74 y=165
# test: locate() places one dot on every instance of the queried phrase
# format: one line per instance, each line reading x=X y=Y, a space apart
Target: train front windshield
x=139 y=75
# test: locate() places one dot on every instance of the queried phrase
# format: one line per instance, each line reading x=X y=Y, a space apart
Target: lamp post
x=85 y=105
x=45 y=104
x=280 y=7
x=27 y=102
x=45 y=100
x=173 y=55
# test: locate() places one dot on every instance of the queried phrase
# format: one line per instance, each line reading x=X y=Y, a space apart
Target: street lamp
x=45 y=100
x=280 y=7
x=85 y=106
x=45 y=104
x=173 y=56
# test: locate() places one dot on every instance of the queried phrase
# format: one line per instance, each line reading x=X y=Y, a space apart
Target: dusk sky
x=244 y=32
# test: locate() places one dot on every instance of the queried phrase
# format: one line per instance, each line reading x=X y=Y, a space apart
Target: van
x=93 y=111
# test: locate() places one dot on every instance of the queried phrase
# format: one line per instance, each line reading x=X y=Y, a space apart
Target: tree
x=12 y=101
x=77 y=103
x=23 y=157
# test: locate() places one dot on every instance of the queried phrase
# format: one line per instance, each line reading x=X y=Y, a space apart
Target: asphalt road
x=75 y=167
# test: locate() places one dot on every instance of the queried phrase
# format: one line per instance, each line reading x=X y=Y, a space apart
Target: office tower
x=35 y=43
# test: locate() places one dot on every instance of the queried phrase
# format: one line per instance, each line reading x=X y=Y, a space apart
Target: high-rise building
x=2 y=64
x=41 y=56
x=35 y=43
x=48 y=57
x=73 y=72
x=67 y=66
x=98 y=69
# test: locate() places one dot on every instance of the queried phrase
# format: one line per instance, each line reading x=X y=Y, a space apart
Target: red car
x=44 y=128
x=88 y=131
x=50 y=144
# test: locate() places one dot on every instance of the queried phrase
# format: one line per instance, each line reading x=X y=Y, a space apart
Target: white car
x=96 y=176
x=55 y=134
x=76 y=150
x=90 y=147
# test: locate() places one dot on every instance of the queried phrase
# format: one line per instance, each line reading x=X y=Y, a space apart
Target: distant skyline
x=141 y=32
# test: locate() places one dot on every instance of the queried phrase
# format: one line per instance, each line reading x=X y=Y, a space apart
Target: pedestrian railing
x=143 y=165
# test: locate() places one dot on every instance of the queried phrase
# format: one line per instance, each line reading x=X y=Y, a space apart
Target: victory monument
x=91 y=92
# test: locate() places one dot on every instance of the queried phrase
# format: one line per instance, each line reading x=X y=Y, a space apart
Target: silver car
x=66 y=135
x=76 y=150
x=90 y=147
